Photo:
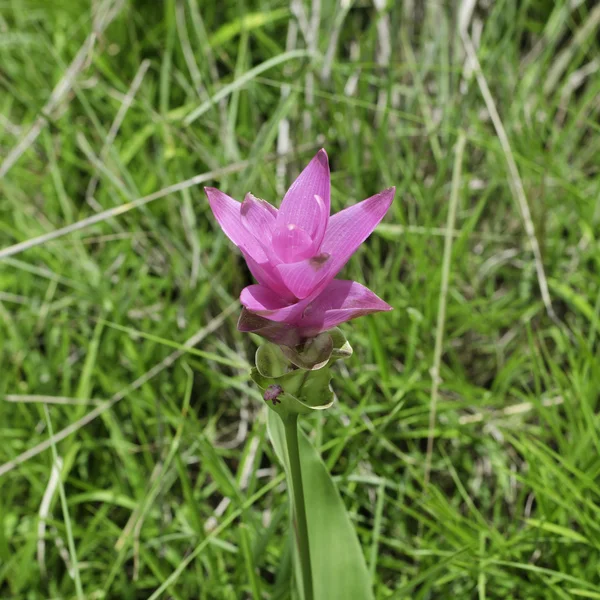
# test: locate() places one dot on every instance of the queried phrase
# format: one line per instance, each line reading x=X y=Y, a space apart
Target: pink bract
x=295 y=252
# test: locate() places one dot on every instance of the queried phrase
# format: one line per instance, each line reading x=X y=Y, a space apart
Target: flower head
x=295 y=253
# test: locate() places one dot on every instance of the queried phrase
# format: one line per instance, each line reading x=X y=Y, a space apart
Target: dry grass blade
x=441 y=317
x=114 y=128
x=45 y=511
x=37 y=398
x=561 y=64
x=105 y=16
x=515 y=409
x=516 y=185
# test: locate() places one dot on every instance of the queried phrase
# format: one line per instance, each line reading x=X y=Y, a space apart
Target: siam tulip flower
x=295 y=253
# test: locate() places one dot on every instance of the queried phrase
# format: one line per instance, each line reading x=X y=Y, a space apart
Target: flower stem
x=291 y=437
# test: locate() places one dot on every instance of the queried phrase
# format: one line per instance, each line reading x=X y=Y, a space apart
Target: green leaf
x=559 y=530
x=246 y=22
x=270 y=360
x=298 y=391
x=338 y=565
x=341 y=346
x=578 y=301
x=314 y=354
x=584 y=593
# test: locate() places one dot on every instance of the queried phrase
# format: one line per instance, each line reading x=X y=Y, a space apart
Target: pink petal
x=292 y=243
x=258 y=216
x=301 y=278
x=227 y=213
x=260 y=299
x=299 y=207
x=349 y=228
x=269 y=277
x=278 y=333
x=340 y=301
x=323 y=220
x=266 y=303
x=346 y=231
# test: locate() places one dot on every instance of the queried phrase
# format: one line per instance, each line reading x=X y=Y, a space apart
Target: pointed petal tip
x=219 y=201
x=341 y=301
x=386 y=197
x=213 y=194
x=389 y=191
x=376 y=304
x=322 y=156
x=298 y=205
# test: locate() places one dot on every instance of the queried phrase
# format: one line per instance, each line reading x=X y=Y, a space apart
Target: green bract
x=296 y=380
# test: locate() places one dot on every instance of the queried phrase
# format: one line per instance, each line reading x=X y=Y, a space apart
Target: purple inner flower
x=295 y=252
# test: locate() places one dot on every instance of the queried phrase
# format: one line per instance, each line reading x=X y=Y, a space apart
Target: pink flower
x=295 y=252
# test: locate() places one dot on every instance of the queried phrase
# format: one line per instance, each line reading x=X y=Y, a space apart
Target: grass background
x=162 y=446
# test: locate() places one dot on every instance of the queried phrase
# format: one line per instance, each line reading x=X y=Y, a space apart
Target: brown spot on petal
x=263 y=201
x=272 y=392
x=247 y=203
x=317 y=262
x=308 y=310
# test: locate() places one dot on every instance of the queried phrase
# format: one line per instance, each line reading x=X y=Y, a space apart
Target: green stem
x=291 y=438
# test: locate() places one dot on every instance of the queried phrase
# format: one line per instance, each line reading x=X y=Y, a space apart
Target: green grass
x=176 y=460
